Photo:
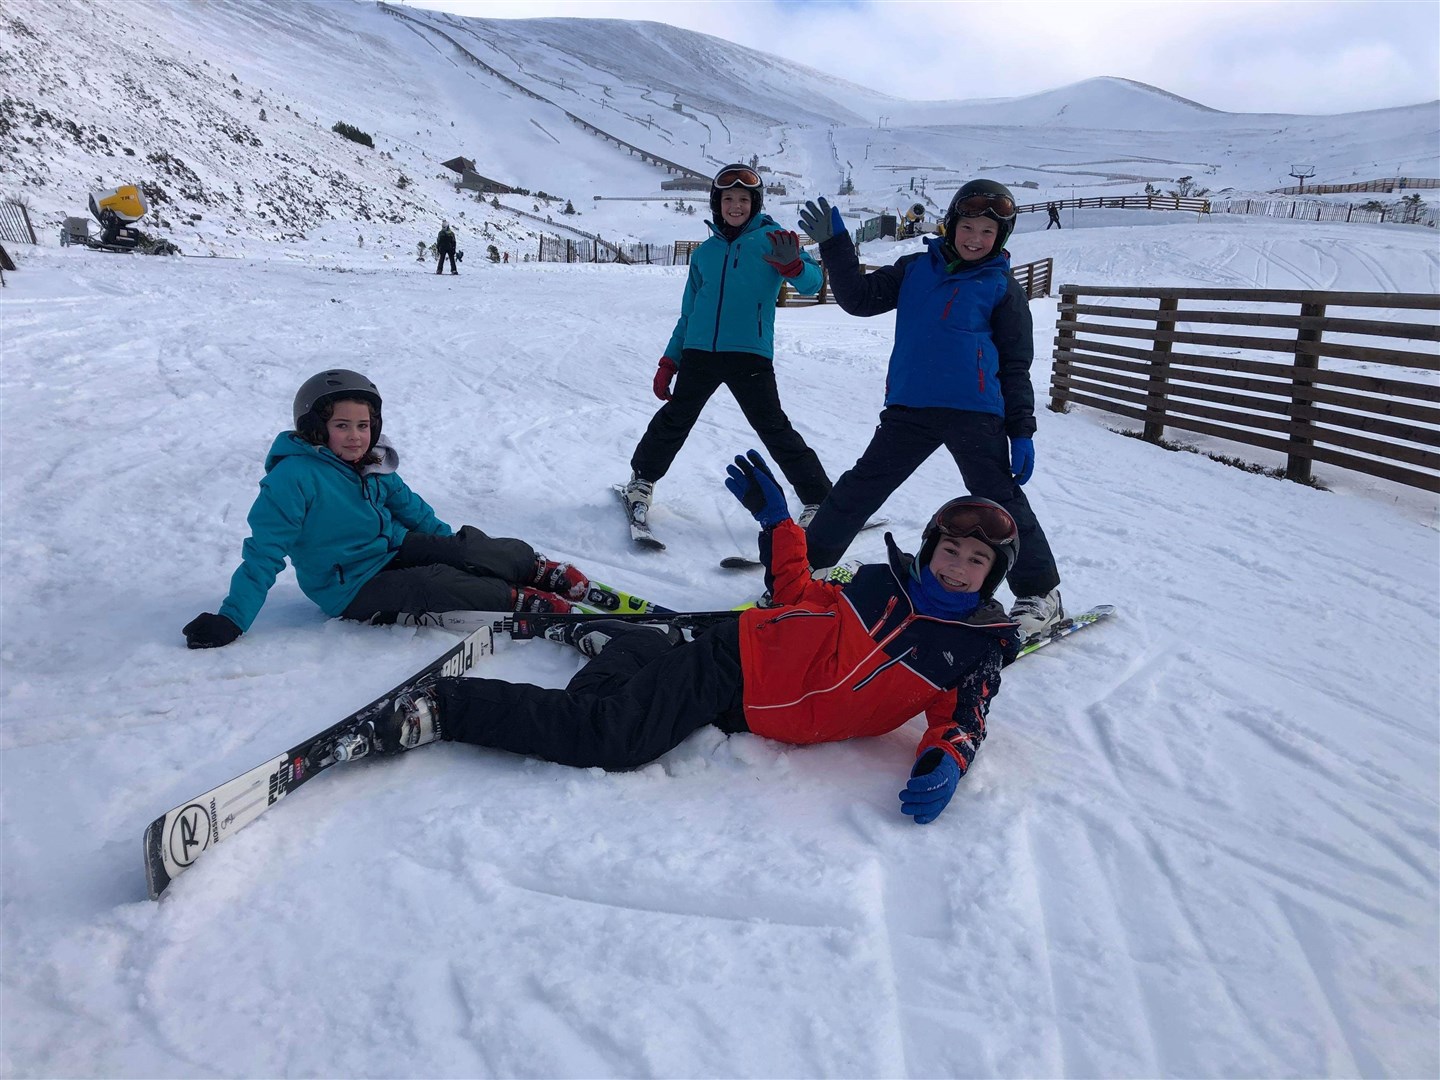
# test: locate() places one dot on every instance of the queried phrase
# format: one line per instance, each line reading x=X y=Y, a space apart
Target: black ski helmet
x=327 y=385
x=989 y=189
x=984 y=520
x=736 y=175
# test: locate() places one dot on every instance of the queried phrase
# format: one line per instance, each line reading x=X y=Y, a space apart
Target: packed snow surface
x=1201 y=839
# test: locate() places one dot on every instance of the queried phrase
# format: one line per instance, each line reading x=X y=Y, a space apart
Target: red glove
x=785 y=253
x=663 y=374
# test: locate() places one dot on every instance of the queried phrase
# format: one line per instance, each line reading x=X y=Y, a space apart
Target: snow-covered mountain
x=223 y=112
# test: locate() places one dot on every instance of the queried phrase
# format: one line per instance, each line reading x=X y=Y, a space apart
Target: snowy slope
x=170 y=95
x=1199 y=841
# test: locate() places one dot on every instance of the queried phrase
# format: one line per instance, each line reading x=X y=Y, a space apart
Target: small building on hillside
x=470 y=180
x=686 y=183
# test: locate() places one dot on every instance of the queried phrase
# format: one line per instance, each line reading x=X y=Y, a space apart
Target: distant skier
x=959 y=377
x=1054 y=211
x=725 y=337
x=445 y=245
x=364 y=546
x=831 y=662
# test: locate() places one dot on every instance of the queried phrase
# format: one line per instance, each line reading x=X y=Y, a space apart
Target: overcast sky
x=1264 y=56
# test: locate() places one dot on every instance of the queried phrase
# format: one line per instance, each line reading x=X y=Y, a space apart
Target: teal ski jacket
x=729 y=302
x=338 y=527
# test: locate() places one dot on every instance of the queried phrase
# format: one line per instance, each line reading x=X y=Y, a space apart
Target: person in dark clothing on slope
x=959 y=377
x=364 y=546
x=1054 y=212
x=445 y=244
x=909 y=636
x=725 y=336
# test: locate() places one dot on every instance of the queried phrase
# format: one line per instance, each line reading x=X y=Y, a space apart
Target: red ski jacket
x=834 y=662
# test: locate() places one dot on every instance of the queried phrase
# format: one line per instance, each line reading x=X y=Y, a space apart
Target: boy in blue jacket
x=726 y=336
x=959 y=377
x=364 y=546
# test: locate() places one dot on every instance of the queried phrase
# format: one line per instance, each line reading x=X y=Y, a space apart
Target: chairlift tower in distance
x=1302 y=173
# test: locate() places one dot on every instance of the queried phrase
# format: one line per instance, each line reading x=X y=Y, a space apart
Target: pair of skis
x=637 y=516
x=176 y=839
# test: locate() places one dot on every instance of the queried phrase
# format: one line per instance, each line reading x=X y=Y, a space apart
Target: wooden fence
x=1034 y=278
x=1122 y=202
x=1389 y=184
x=1357 y=393
x=1317 y=210
x=15 y=223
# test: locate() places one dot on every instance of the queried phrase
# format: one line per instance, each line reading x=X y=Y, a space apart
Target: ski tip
x=156 y=876
x=739 y=562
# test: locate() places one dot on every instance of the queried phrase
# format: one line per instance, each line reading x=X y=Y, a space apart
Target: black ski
x=176 y=839
x=524 y=624
x=744 y=562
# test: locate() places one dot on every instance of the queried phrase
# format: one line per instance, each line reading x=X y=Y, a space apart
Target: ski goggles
x=729 y=178
x=965 y=517
x=1000 y=207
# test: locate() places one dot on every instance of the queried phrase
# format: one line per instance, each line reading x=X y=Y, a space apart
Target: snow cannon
x=914 y=221
x=117 y=209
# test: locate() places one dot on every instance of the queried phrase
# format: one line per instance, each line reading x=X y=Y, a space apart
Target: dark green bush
x=354 y=134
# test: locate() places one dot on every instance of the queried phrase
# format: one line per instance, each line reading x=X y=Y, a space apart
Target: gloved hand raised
x=209 y=631
x=822 y=222
x=785 y=253
x=1022 y=459
x=663 y=374
x=932 y=782
x=752 y=482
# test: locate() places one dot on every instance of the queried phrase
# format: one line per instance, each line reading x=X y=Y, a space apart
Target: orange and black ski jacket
x=834 y=662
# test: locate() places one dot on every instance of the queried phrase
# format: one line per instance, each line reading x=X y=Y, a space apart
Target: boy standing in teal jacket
x=726 y=336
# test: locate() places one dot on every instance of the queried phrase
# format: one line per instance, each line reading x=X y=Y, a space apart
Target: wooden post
x=824 y=286
x=1159 y=372
x=1064 y=343
x=1307 y=359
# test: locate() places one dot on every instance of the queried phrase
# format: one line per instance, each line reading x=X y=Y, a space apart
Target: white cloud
x=1266 y=56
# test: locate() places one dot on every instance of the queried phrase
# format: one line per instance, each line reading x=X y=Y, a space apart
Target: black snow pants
x=751 y=379
x=903 y=440
x=440 y=263
x=639 y=698
x=465 y=572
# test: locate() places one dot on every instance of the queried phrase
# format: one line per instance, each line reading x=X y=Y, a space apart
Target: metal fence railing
x=15 y=223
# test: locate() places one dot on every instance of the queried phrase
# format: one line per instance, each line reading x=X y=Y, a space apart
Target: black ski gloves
x=210 y=631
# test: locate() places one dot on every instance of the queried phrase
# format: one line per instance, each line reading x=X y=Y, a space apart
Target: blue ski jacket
x=964 y=339
x=729 y=302
x=338 y=527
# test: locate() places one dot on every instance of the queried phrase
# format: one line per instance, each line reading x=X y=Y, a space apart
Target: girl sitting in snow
x=364 y=546
x=829 y=662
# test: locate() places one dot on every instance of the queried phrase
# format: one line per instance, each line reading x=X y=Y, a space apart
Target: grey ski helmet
x=320 y=388
x=986 y=521
x=732 y=176
x=983 y=198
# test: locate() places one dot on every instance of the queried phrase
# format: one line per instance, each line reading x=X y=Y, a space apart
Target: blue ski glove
x=932 y=782
x=209 y=631
x=1022 y=459
x=754 y=485
x=822 y=222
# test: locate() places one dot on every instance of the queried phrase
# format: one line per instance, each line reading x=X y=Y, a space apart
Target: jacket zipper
x=720 y=300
